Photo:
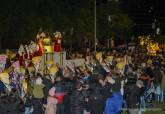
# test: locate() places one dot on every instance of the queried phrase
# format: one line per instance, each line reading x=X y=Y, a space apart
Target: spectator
x=77 y=100
x=133 y=94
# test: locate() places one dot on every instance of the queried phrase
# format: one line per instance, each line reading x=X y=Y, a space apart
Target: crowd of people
x=109 y=82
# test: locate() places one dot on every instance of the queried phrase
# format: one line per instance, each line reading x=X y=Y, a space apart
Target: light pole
x=71 y=33
x=95 y=26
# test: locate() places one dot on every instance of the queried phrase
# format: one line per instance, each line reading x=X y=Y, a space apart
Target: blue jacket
x=2 y=86
x=114 y=104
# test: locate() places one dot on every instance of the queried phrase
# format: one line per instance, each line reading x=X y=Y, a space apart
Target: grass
x=159 y=108
x=154 y=112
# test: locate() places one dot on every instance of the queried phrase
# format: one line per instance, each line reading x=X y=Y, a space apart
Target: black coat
x=77 y=102
x=96 y=100
x=107 y=91
x=132 y=95
x=48 y=85
x=9 y=105
x=158 y=77
x=37 y=105
x=69 y=85
x=149 y=72
x=66 y=103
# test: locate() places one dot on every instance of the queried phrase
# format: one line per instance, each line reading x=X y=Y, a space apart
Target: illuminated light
x=151 y=46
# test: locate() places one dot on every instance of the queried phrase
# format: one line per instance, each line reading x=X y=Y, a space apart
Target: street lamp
x=71 y=33
x=95 y=29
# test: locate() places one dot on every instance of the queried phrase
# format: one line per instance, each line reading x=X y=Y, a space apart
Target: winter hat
x=156 y=63
x=39 y=81
x=110 y=80
x=143 y=65
x=71 y=65
x=139 y=82
x=149 y=61
x=110 y=58
x=52 y=91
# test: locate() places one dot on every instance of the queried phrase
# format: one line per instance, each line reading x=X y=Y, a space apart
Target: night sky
x=144 y=12
x=140 y=11
x=14 y=15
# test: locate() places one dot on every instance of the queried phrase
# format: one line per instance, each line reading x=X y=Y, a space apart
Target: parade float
x=52 y=49
x=46 y=47
x=38 y=55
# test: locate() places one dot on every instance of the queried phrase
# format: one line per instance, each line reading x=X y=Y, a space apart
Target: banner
x=70 y=64
x=2 y=62
x=77 y=62
x=59 y=57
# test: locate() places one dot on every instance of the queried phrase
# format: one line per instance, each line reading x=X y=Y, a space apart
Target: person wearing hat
x=115 y=99
x=60 y=93
x=48 y=84
x=114 y=104
x=49 y=79
x=38 y=88
x=133 y=94
x=96 y=98
x=36 y=63
x=77 y=100
x=51 y=106
x=38 y=95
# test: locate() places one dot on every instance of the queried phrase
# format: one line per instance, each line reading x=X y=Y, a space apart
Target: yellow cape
x=4 y=77
x=25 y=85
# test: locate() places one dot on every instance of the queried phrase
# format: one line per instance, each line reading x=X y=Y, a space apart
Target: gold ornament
x=36 y=60
x=53 y=70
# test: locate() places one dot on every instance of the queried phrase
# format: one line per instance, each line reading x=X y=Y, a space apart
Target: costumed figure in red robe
x=57 y=43
x=21 y=52
x=29 y=55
